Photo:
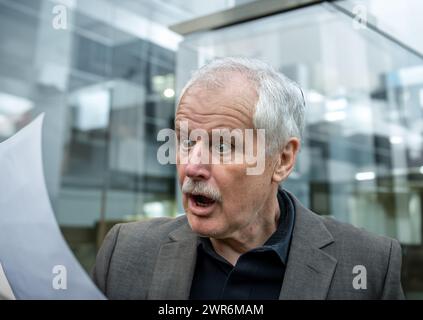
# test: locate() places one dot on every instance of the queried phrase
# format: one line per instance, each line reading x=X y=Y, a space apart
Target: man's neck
x=254 y=235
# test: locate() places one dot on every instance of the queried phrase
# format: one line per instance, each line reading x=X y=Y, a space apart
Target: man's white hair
x=280 y=108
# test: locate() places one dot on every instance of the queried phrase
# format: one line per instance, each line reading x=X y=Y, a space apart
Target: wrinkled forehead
x=229 y=105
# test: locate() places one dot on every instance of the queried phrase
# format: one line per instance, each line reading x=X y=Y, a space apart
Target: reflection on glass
x=106 y=84
x=362 y=153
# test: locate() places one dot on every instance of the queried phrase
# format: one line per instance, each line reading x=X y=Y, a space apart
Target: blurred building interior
x=108 y=83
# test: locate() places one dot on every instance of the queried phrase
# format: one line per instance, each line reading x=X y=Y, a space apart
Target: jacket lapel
x=310 y=270
x=175 y=265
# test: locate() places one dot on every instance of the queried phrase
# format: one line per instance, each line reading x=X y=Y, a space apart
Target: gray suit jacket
x=156 y=260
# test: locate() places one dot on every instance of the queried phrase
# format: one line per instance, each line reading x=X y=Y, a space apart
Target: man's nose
x=198 y=167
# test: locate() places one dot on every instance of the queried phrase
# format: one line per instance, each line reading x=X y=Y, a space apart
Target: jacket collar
x=175 y=265
x=310 y=270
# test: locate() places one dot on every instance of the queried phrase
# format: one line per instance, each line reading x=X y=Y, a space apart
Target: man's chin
x=202 y=228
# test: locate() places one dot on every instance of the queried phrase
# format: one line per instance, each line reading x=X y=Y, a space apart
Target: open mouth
x=202 y=201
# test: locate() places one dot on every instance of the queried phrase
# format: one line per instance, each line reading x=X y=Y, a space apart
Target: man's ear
x=285 y=161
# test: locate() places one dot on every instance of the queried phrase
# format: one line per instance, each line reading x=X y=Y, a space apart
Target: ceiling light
x=363 y=176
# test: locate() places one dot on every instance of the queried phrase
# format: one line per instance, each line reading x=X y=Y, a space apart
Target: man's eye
x=187 y=143
x=224 y=148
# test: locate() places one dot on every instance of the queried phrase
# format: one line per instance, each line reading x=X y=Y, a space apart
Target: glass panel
x=389 y=16
x=104 y=76
x=362 y=157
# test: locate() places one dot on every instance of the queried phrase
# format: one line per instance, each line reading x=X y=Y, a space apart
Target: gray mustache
x=201 y=188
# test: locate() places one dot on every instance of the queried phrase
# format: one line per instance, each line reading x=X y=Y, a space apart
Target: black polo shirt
x=258 y=273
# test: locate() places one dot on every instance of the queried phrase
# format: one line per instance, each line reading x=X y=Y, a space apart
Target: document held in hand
x=36 y=262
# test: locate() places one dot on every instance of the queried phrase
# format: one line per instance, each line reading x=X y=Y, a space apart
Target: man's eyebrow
x=177 y=126
x=177 y=131
x=209 y=131
x=177 y=121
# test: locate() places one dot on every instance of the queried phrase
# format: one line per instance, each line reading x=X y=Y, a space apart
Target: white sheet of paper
x=5 y=289
x=35 y=257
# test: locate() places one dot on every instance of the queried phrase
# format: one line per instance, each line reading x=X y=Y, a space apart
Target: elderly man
x=243 y=236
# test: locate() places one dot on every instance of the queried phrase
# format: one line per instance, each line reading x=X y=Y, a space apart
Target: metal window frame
x=242 y=13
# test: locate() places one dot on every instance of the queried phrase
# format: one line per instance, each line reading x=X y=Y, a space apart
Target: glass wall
x=362 y=157
x=104 y=76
